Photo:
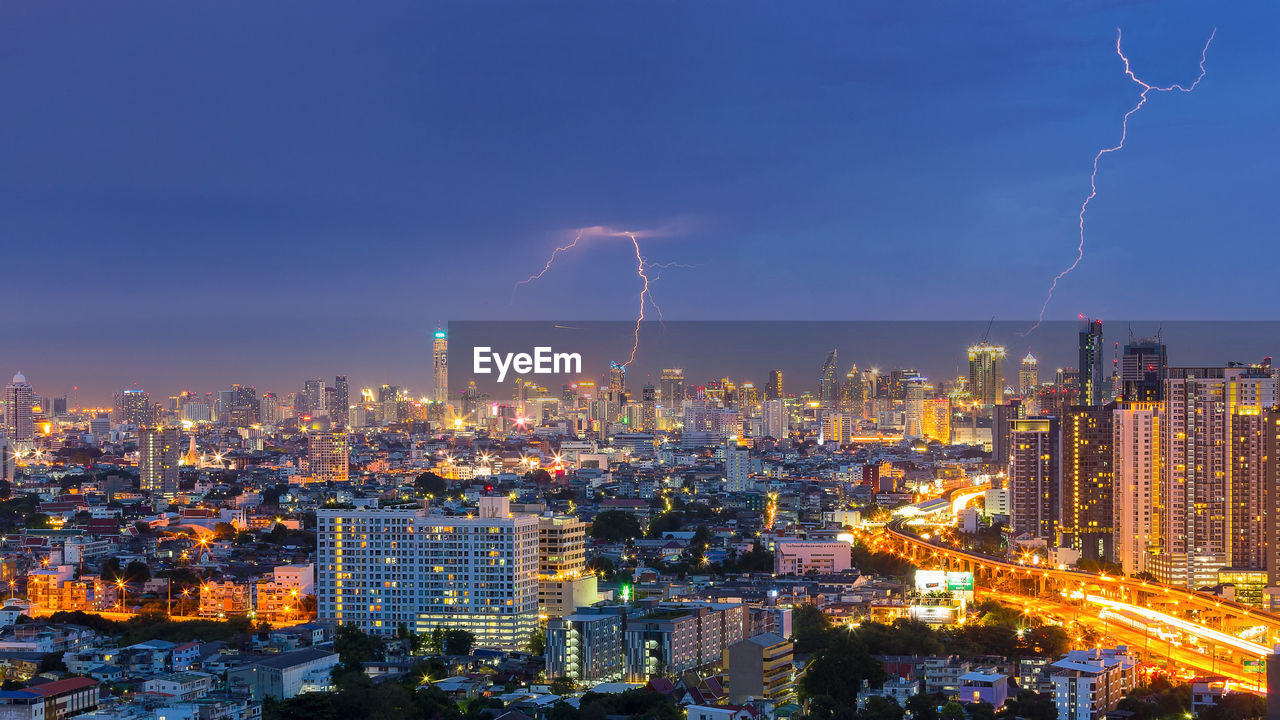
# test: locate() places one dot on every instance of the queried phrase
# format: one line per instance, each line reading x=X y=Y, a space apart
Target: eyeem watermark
x=543 y=361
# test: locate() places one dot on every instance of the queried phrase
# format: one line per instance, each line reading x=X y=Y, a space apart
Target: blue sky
x=199 y=194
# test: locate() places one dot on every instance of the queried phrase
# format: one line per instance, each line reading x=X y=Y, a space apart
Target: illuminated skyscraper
x=440 y=366
x=1211 y=473
x=328 y=455
x=312 y=399
x=133 y=407
x=986 y=379
x=270 y=410
x=671 y=388
x=917 y=389
x=1088 y=482
x=341 y=406
x=648 y=408
x=773 y=388
x=1142 y=370
x=1028 y=376
x=19 y=399
x=1136 y=454
x=853 y=392
x=158 y=451
x=937 y=419
x=748 y=401
x=1034 y=474
x=829 y=381
x=776 y=422
x=1093 y=391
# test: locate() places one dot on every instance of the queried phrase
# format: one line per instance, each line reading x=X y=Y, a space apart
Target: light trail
x=1190 y=627
x=1124 y=133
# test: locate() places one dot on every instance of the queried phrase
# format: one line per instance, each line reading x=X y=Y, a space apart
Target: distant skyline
x=200 y=195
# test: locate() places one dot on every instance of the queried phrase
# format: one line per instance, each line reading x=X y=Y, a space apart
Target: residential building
x=585 y=647
x=761 y=668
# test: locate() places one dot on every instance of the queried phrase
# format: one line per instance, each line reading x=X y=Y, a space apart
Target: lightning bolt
x=1124 y=134
x=642 y=272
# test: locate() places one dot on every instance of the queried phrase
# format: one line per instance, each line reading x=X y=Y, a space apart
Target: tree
x=563 y=686
x=429 y=483
x=137 y=572
x=881 y=708
x=952 y=711
x=809 y=626
x=980 y=711
x=435 y=642
x=839 y=669
x=36 y=521
x=224 y=531
x=355 y=647
x=1029 y=705
x=1236 y=706
x=538 y=642
x=615 y=526
x=458 y=642
x=52 y=661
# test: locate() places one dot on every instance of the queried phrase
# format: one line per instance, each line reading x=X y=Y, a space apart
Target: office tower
x=986 y=380
x=8 y=460
x=585 y=647
x=1142 y=370
x=773 y=388
x=916 y=389
x=737 y=468
x=1211 y=473
x=1034 y=485
x=340 y=402
x=328 y=455
x=439 y=366
x=270 y=411
x=829 y=381
x=312 y=400
x=58 y=407
x=158 y=451
x=1028 y=376
x=671 y=388
x=776 y=422
x=937 y=419
x=1092 y=364
x=240 y=404
x=853 y=392
x=564 y=584
x=748 y=401
x=1001 y=426
x=1088 y=482
x=19 y=399
x=649 y=408
x=761 y=668
x=389 y=404
x=133 y=407
x=897 y=383
x=1135 y=448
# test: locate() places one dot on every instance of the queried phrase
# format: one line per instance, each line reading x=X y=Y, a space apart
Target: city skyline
x=788 y=148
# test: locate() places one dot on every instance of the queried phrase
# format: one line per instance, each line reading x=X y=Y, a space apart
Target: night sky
x=196 y=194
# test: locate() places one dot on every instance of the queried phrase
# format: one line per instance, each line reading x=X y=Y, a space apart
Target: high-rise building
x=1142 y=370
x=563 y=581
x=133 y=407
x=829 y=381
x=936 y=419
x=1271 y=477
x=1211 y=473
x=1001 y=415
x=737 y=468
x=677 y=637
x=1028 y=376
x=1088 y=482
x=328 y=455
x=312 y=399
x=1135 y=448
x=917 y=390
x=440 y=366
x=270 y=409
x=748 y=401
x=340 y=408
x=1093 y=391
x=671 y=388
x=773 y=388
x=8 y=460
x=380 y=569
x=19 y=400
x=853 y=392
x=585 y=647
x=986 y=379
x=776 y=421
x=648 y=408
x=158 y=454
x=762 y=668
x=1034 y=476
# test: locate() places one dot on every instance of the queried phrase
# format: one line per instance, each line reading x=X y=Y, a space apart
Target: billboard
x=958 y=583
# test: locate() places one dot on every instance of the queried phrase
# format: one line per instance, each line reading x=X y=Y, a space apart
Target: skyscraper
x=440 y=366
x=917 y=390
x=986 y=379
x=829 y=381
x=1211 y=473
x=1028 y=376
x=773 y=388
x=776 y=422
x=853 y=392
x=564 y=584
x=1135 y=448
x=158 y=453
x=328 y=455
x=1142 y=370
x=312 y=399
x=19 y=399
x=1087 y=482
x=649 y=408
x=1034 y=476
x=1092 y=372
x=133 y=407
x=341 y=405
x=671 y=388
